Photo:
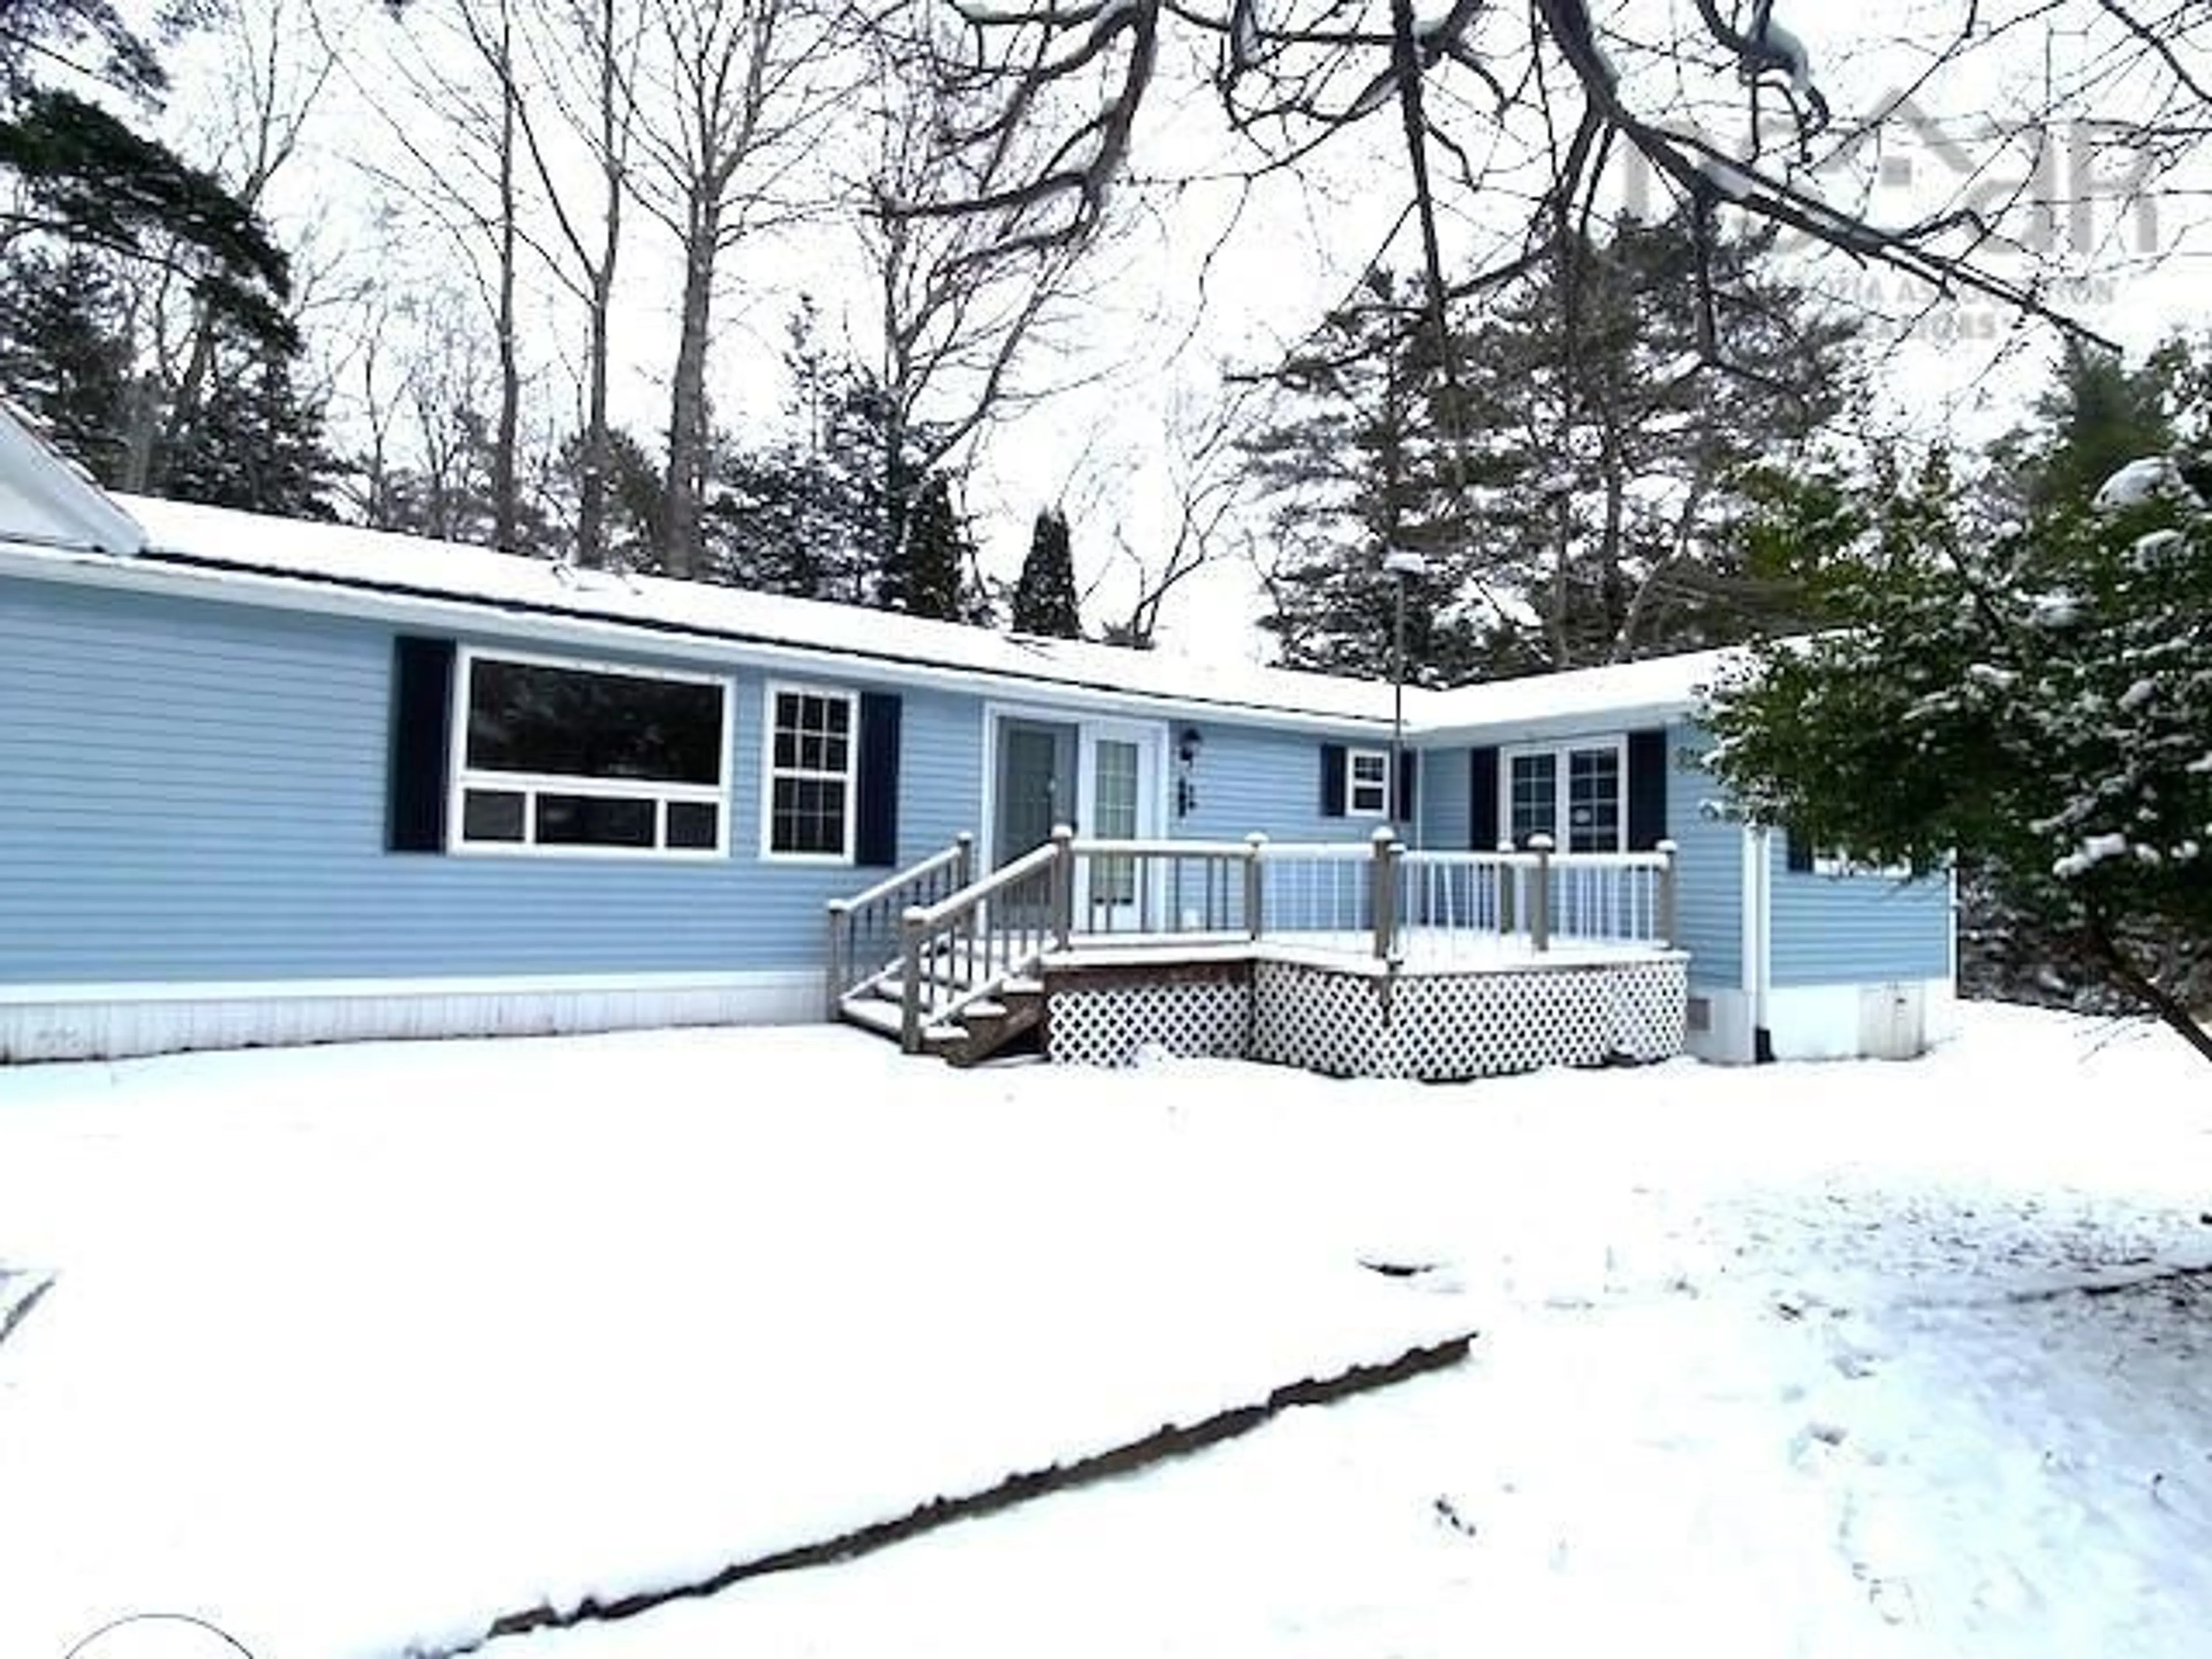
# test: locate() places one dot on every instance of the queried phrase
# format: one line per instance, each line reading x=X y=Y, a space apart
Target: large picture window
x=570 y=757
x=1572 y=793
x=811 y=755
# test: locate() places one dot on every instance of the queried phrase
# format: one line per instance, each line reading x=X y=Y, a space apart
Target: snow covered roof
x=227 y=545
x=1655 y=686
x=46 y=496
x=310 y=566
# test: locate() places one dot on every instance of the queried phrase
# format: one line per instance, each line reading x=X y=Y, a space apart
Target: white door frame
x=1151 y=738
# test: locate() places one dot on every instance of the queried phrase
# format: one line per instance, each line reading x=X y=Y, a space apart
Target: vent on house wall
x=1697 y=1014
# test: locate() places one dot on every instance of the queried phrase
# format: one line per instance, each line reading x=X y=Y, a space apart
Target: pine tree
x=1044 y=595
x=928 y=575
x=87 y=178
x=1572 y=500
x=254 y=441
x=1354 y=471
x=1612 y=436
x=61 y=356
x=2097 y=414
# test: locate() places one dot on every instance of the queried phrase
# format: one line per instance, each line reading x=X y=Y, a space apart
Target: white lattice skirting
x=1109 y=1024
x=1434 y=1026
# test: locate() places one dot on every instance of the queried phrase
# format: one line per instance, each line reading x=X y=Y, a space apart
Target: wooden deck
x=1441 y=1016
x=1352 y=961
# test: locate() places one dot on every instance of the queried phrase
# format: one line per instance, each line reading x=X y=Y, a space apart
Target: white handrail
x=893 y=883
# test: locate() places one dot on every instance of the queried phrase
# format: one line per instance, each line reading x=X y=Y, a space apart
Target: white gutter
x=84 y=567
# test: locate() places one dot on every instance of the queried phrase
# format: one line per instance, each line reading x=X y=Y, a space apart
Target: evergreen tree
x=823 y=511
x=2097 y=414
x=1613 y=437
x=62 y=358
x=928 y=575
x=756 y=530
x=88 y=178
x=2032 y=699
x=1571 y=501
x=1044 y=595
x=1353 y=471
x=253 y=441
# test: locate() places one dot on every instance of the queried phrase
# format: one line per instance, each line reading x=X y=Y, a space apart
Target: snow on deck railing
x=957 y=937
x=1448 y=903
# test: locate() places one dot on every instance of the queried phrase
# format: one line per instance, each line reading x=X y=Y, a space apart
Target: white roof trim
x=67 y=508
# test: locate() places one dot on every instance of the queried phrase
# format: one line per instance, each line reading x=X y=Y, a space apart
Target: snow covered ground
x=350 y=1348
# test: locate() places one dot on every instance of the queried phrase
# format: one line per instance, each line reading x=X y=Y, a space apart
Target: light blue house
x=265 y=781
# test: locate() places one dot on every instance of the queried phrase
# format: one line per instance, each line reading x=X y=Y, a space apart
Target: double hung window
x=1367 y=783
x=812 y=751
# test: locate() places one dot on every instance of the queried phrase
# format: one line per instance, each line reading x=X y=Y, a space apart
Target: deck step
x=886 y=1018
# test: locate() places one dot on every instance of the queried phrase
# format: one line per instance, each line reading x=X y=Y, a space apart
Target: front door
x=1102 y=778
x=1036 y=785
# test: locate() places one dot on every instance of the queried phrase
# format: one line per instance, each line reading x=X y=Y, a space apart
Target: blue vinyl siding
x=1856 y=929
x=1709 y=869
x=1249 y=778
x=194 y=792
x=1709 y=864
x=1440 y=787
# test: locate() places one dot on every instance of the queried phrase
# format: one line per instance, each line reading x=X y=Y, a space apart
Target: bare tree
x=1206 y=484
x=590 y=89
x=463 y=74
x=956 y=307
x=268 y=76
x=1518 y=117
x=729 y=92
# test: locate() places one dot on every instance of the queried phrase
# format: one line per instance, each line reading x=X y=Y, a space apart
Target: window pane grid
x=810 y=763
x=1367 y=782
x=1593 y=800
x=1535 y=807
x=1584 y=816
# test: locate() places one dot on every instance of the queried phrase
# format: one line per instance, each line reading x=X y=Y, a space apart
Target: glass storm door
x=1036 y=785
x=1121 y=800
x=1111 y=883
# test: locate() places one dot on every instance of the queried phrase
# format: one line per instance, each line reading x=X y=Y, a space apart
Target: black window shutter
x=421 y=729
x=876 y=813
x=1796 y=852
x=1408 y=791
x=1482 y=799
x=1647 y=789
x=1332 y=780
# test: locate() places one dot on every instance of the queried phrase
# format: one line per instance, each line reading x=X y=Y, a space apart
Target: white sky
x=1204 y=277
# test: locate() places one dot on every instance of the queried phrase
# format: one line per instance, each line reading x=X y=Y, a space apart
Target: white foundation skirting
x=114 y=1022
x=1889 y=1019
x=1351 y=1022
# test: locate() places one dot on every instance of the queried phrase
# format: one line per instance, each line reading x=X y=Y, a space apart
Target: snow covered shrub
x=2037 y=700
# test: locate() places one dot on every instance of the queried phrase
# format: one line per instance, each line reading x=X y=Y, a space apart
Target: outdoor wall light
x=1186 y=790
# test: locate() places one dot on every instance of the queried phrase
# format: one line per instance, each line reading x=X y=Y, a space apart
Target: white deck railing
x=959 y=937
x=1392 y=901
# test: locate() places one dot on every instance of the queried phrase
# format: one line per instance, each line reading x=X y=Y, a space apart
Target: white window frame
x=769 y=771
x=1562 y=773
x=1353 y=784
x=530 y=785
